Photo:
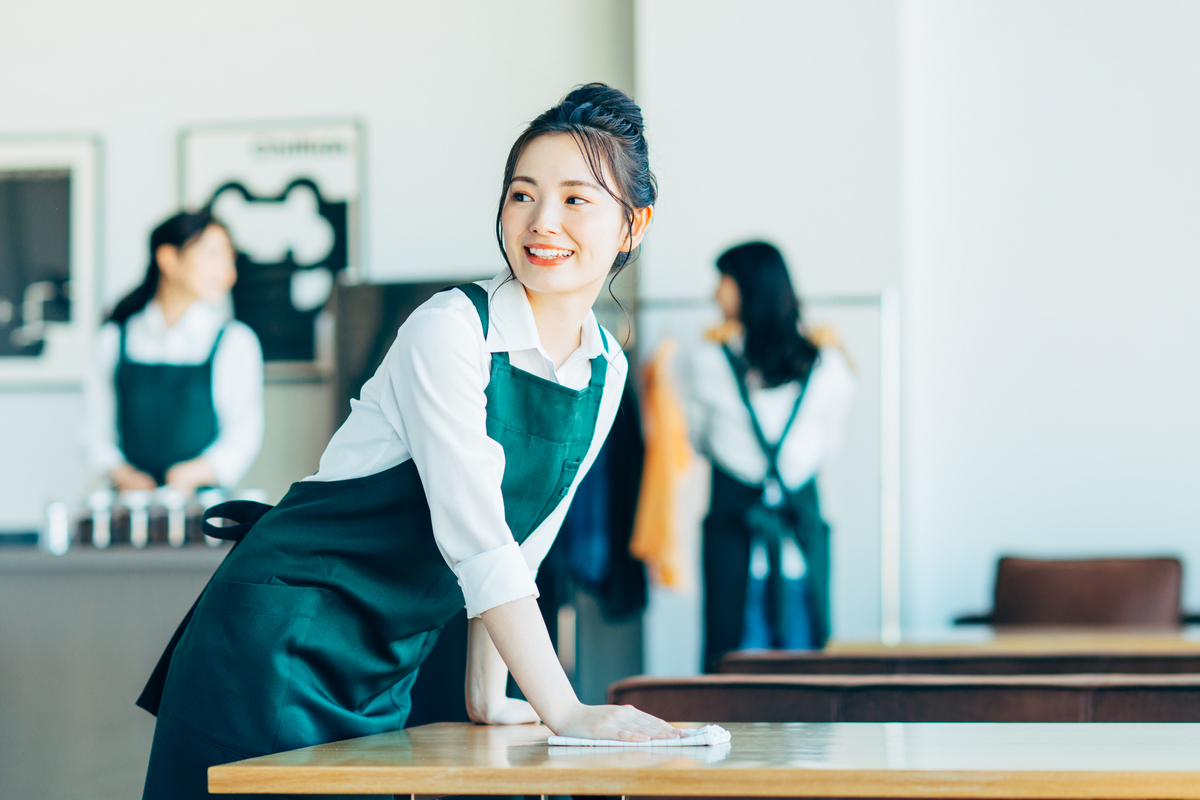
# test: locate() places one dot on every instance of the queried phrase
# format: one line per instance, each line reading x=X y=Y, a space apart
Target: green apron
x=313 y=627
x=741 y=513
x=165 y=412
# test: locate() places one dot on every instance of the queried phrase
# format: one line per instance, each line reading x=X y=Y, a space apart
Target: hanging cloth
x=668 y=455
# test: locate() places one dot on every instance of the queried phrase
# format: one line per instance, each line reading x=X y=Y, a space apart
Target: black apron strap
x=243 y=513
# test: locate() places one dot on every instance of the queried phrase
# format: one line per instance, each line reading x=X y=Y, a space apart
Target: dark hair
x=770 y=313
x=179 y=231
x=607 y=126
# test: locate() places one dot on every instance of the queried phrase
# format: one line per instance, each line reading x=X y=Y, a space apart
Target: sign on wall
x=48 y=235
x=291 y=196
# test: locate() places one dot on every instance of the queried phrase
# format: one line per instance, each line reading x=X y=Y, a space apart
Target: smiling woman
x=445 y=487
x=577 y=190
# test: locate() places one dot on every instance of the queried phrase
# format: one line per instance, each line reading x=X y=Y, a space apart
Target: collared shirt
x=426 y=402
x=237 y=383
x=720 y=426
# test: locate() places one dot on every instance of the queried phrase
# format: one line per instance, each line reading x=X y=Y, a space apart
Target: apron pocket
x=230 y=675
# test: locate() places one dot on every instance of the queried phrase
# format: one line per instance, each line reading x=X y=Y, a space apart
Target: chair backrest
x=915 y=698
x=1102 y=591
x=1006 y=662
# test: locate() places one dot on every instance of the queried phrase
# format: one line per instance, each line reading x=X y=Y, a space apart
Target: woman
x=444 y=487
x=767 y=406
x=176 y=394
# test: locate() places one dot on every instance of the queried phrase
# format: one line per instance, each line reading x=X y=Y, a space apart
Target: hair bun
x=608 y=100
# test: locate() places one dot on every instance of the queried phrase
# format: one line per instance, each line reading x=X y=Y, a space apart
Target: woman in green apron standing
x=175 y=396
x=767 y=406
x=445 y=486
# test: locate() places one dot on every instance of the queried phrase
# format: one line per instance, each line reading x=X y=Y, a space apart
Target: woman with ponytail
x=767 y=406
x=444 y=488
x=175 y=396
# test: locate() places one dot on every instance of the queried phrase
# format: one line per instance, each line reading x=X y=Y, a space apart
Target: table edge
x=706 y=782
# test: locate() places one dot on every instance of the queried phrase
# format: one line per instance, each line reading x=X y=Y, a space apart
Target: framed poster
x=49 y=229
x=291 y=196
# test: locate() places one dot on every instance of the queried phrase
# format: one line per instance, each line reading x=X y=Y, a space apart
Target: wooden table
x=987 y=651
x=897 y=760
x=982 y=641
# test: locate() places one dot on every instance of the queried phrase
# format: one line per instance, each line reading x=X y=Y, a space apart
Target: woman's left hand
x=511 y=712
x=187 y=476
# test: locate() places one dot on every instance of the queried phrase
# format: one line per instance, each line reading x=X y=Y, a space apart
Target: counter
x=79 y=634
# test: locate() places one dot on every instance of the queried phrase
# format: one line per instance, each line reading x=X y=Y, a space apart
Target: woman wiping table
x=445 y=486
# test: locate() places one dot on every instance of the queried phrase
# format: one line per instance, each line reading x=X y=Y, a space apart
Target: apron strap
x=121 y=348
x=242 y=512
x=479 y=298
x=771 y=451
x=217 y=342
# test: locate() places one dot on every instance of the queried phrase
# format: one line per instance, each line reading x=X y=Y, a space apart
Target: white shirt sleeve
x=238 y=400
x=99 y=435
x=433 y=394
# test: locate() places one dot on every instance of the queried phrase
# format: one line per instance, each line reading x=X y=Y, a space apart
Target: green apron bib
x=313 y=627
x=165 y=412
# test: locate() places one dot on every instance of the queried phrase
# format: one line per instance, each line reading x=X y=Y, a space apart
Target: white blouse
x=720 y=426
x=426 y=402
x=237 y=383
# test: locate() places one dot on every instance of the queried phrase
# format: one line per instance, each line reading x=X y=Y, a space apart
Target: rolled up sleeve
x=433 y=393
x=495 y=577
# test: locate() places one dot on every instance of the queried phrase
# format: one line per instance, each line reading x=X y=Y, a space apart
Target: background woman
x=445 y=486
x=175 y=396
x=767 y=406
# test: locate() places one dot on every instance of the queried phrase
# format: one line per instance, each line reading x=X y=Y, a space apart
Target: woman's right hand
x=128 y=478
x=623 y=723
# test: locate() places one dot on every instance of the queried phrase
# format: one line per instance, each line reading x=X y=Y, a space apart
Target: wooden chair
x=1131 y=592
x=915 y=698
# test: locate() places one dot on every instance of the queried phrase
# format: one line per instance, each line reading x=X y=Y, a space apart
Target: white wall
x=1050 y=171
x=775 y=119
x=443 y=88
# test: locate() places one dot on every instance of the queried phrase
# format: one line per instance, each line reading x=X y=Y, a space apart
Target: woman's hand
x=187 y=476
x=623 y=723
x=128 y=478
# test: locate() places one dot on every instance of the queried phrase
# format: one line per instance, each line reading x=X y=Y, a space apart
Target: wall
x=1050 y=174
x=777 y=119
x=774 y=119
x=443 y=88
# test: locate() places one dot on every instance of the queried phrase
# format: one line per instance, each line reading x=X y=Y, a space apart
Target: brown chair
x=1132 y=592
x=818 y=662
x=915 y=698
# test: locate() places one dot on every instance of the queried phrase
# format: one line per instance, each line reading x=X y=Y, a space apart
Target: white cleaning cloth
x=708 y=735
